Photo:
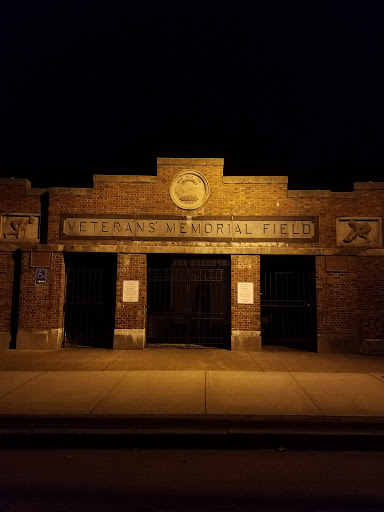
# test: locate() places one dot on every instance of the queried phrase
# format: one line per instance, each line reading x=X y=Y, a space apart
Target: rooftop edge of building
x=17 y=182
x=368 y=185
x=240 y=180
x=219 y=162
x=121 y=178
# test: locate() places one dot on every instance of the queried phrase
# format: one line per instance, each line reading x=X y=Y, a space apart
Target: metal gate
x=188 y=301
x=288 y=302
x=90 y=300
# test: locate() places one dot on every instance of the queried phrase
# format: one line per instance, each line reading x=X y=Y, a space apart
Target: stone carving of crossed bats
x=358 y=229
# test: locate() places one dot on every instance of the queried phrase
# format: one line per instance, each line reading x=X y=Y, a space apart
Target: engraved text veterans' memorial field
x=195 y=229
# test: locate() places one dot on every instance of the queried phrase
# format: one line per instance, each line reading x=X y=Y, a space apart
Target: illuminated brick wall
x=229 y=196
x=371 y=303
x=41 y=306
x=17 y=196
x=350 y=304
x=245 y=317
x=7 y=264
x=131 y=315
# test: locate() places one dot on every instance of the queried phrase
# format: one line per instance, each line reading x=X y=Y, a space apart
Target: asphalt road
x=71 y=480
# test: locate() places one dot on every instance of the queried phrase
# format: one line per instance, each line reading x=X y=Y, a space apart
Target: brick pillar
x=245 y=333
x=339 y=316
x=371 y=302
x=130 y=319
x=40 y=323
x=7 y=264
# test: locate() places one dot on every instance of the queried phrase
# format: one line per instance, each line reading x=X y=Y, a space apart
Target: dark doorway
x=189 y=300
x=288 y=302
x=89 y=312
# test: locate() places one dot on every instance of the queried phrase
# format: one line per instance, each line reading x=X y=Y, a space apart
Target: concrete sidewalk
x=186 y=359
x=192 y=393
x=88 y=391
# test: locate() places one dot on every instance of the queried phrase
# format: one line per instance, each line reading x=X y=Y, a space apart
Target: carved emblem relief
x=21 y=227
x=189 y=190
x=358 y=231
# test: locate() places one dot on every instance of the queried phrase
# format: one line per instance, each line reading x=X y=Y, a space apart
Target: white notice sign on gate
x=245 y=293
x=130 y=291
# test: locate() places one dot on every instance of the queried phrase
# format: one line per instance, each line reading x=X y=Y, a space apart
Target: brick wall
x=153 y=198
x=245 y=317
x=338 y=317
x=7 y=264
x=131 y=315
x=370 y=271
x=238 y=199
x=20 y=198
x=41 y=306
x=350 y=305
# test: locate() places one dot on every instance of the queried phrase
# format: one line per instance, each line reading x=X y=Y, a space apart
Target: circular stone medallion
x=189 y=190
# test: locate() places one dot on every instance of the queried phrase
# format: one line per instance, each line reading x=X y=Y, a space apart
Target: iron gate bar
x=195 y=310
x=90 y=300
x=287 y=295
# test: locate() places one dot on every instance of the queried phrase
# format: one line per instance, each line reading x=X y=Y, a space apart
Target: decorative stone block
x=39 y=339
x=358 y=232
x=20 y=227
x=372 y=347
x=129 y=339
x=248 y=341
x=5 y=340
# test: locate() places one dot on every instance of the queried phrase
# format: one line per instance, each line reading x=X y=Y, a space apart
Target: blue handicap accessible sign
x=41 y=276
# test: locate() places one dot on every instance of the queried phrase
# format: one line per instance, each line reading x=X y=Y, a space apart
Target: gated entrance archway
x=89 y=311
x=288 y=302
x=189 y=300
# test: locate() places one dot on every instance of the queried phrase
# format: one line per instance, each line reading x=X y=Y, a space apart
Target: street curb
x=205 y=432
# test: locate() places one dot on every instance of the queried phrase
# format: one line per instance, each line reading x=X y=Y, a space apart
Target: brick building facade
x=191 y=257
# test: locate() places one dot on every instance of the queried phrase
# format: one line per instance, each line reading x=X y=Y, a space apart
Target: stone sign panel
x=130 y=291
x=226 y=229
x=358 y=231
x=245 y=293
x=20 y=227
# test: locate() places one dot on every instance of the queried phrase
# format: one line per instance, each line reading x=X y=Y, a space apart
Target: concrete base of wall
x=249 y=341
x=372 y=347
x=129 y=339
x=39 y=339
x=5 y=340
x=329 y=344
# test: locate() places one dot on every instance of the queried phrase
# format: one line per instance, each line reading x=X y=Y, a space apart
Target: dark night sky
x=287 y=88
